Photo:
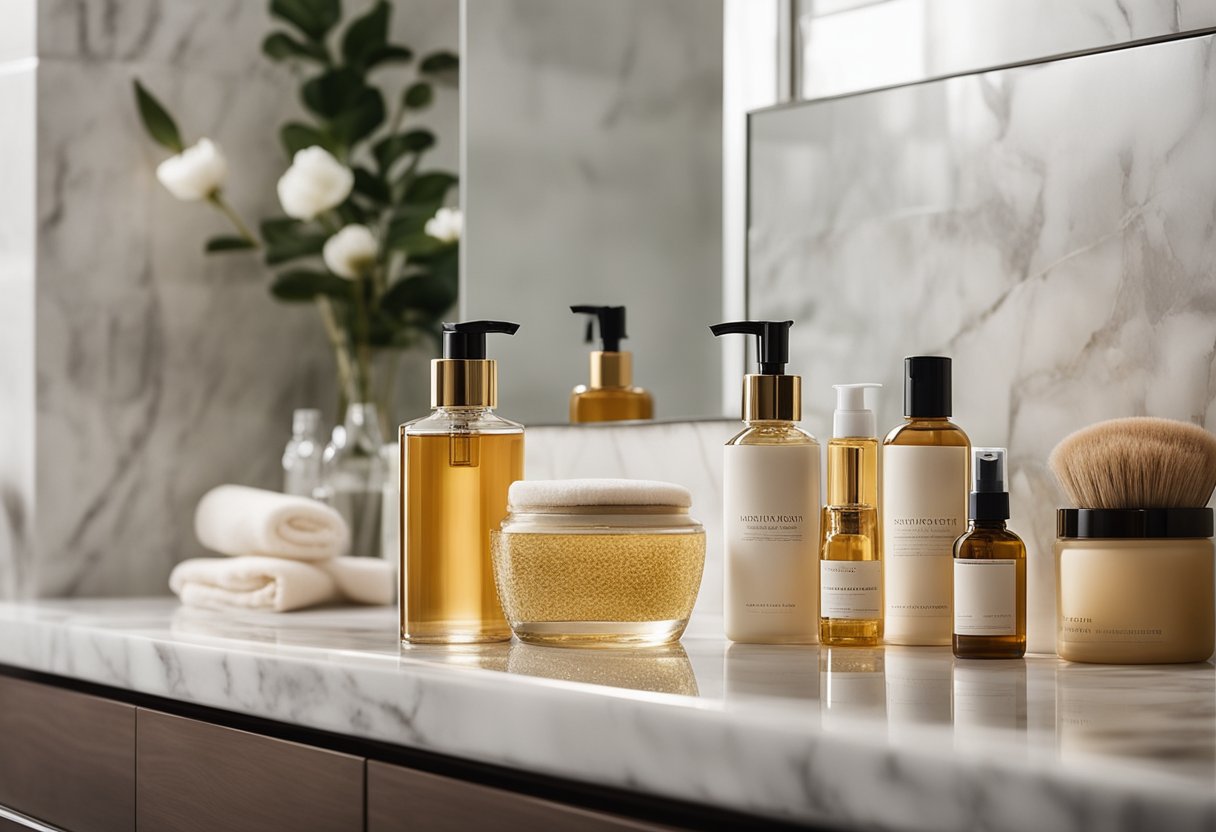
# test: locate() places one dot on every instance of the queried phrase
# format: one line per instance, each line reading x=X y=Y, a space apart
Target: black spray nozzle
x=468 y=338
x=612 y=324
x=989 y=499
x=772 y=342
x=989 y=473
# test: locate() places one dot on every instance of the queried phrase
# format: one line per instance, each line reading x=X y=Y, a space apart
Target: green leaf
x=422 y=246
x=366 y=34
x=439 y=63
x=312 y=17
x=229 y=244
x=418 y=95
x=280 y=46
x=295 y=137
x=289 y=242
x=331 y=92
x=306 y=284
x=157 y=121
x=429 y=187
x=370 y=185
x=408 y=221
x=360 y=119
x=389 y=150
x=430 y=293
x=388 y=54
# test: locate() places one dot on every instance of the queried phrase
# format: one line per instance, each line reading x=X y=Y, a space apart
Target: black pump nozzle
x=772 y=342
x=989 y=499
x=612 y=324
x=468 y=338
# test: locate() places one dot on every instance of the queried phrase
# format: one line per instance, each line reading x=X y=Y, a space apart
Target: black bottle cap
x=989 y=499
x=772 y=342
x=926 y=386
x=612 y=324
x=1136 y=523
x=468 y=339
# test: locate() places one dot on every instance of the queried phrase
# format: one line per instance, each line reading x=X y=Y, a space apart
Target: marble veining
x=904 y=738
x=1048 y=226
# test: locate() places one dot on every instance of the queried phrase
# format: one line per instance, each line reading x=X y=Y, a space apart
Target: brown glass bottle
x=991 y=541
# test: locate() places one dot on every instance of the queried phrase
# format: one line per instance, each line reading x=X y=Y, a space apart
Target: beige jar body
x=1135 y=601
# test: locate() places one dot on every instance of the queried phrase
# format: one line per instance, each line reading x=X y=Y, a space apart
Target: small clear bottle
x=302 y=456
x=353 y=473
x=989 y=570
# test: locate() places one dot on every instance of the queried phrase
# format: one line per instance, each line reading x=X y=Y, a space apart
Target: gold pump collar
x=464 y=382
x=768 y=398
x=611 y=369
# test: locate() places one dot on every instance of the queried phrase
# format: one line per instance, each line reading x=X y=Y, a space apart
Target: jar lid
x=533 y=495
x=1084 y=523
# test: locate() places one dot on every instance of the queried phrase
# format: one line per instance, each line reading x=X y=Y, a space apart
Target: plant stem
x=362 y=348
x=341 y=351
x=224 y=208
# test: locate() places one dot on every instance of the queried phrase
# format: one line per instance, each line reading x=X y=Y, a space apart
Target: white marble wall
x=1050 y=227
x=160 y=372
x=594 y=175
x=850 y=45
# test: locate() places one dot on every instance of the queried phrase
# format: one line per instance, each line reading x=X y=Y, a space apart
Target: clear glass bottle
x=353 y=474
x=611 y=396
x=457 y=465
x=302 y=456
x=989 y=570
x=924 y=507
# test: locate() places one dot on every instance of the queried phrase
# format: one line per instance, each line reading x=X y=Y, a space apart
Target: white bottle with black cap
x=925 y=484
x=771 y=503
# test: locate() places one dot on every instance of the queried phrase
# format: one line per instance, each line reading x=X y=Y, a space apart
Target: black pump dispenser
x=467 y=340
x=989 y=499
x=772 y=342
x=612 y=324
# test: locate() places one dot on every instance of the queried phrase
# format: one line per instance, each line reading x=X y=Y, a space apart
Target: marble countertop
x=894 y=738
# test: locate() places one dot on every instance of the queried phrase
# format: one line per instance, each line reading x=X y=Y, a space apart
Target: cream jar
x=586 y=563
x=1134 y=586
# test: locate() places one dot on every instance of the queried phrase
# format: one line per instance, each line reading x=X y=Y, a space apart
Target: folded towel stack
x=286 y=554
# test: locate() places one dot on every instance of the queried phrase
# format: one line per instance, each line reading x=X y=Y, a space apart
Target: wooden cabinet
x=404 y=800
x=198 y=776
x=67 y=758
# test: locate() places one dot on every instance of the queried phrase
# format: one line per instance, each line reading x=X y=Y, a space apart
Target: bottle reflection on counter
x=852 y=685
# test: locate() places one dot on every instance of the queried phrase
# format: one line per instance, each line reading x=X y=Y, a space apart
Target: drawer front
x=403 y=800
x=197 y=776
x=67 y=758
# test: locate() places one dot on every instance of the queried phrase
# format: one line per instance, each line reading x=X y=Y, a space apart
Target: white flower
x=315 y=182
x=195 y=173
x=446 y=226
x=350 y=252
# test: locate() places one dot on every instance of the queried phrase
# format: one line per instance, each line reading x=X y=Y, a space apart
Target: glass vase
x=353 y=473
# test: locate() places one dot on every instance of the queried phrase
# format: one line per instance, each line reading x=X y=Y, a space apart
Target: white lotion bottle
x=771 y=503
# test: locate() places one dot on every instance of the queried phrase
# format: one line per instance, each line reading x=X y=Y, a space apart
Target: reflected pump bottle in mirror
x=611 y=396
x=771 y=503
x=456 y=467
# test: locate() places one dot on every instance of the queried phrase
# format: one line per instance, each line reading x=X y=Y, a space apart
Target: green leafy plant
x=365 y=236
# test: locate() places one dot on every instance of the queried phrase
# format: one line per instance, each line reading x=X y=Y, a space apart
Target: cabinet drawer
x=197 y=776
x=404 y=800
x=67 y=758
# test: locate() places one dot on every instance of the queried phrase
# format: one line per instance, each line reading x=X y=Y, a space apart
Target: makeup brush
x=1137 y=463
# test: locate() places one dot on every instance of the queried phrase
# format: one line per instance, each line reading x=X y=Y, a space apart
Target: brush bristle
x=1142 y=462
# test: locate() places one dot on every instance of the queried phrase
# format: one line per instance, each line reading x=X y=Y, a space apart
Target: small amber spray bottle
x=850 y=552
x=456 y=467
x=989 y=570
x=611 y=395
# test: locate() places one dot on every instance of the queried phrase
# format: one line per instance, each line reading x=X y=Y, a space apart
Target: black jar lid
x=1085 y=523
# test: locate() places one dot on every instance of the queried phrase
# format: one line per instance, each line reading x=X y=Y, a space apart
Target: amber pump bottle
x=850 y=551
x=924 y=507
x=771 y=503
x=456 y=467
x=989 y=570
x=611 y=395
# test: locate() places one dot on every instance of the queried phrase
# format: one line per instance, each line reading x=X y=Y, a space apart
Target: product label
x=850 y=589
x=985 y=597
x=771 y=503
x=924 y=510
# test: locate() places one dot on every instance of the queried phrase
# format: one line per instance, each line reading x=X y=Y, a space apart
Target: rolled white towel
x=363 y=580
x=251 y=583
x=238 y=520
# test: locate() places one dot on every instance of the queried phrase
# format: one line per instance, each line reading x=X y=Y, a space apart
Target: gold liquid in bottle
x=850 y=556
x=611 y=396
x=456 y=487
